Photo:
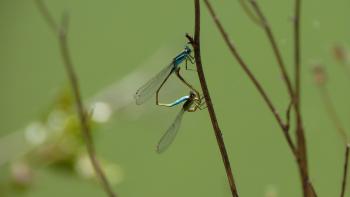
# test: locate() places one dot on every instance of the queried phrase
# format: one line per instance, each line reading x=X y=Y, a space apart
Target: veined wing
x=147 y=90
x=170 y=134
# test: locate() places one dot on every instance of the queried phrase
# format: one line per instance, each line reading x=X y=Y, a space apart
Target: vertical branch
x=300 y=133
x=196 y=46
x=297 y=79
x=296 y=29
x=73 y=79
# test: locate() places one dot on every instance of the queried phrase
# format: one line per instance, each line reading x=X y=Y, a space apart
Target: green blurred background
x=111 y=39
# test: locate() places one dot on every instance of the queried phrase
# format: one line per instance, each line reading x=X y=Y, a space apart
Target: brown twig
x=80 y=108
x=85 y=129
x=308 y=189
x=296 y=34
x=47 y=15
x=288 y=112
x=251 y=76
x=345 y=172
x=197 y=54
x=333 y=114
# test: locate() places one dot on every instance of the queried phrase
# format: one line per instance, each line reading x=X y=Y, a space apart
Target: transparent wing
x=170 y=134
x=150 y=88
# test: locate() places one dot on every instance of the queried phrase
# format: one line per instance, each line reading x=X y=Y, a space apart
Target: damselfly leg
x=154 y=85
x=191 y=59
x=160 y=87
x=185 y=82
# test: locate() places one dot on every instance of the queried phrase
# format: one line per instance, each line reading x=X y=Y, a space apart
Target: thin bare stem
x=345 y=172
x=327 y=101
x=251 y=76
x=321 y=80
x=308 y=189
x=296 y=29
x=81 y=113
x=265 y=25
x=47 y=15
x=219 y=138
x=288 y=112
x=83 y=117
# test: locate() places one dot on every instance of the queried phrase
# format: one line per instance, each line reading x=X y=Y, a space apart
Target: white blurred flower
x=35 y=133
x=101 y=112
x=83 y=167
x=56 y=120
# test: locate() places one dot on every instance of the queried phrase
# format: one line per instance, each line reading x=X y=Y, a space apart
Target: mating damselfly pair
x=191 y=102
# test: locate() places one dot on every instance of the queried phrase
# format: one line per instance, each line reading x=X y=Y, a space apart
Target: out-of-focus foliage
x=55 y=142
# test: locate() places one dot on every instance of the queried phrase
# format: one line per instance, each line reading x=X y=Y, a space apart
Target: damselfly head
x=192 y=95
x=187 y=50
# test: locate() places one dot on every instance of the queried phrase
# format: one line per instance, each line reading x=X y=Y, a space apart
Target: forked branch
x=284 y=127
x=299 y=152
